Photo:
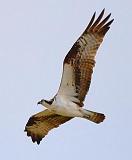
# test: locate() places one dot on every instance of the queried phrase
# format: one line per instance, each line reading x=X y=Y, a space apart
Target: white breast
x=64 y=106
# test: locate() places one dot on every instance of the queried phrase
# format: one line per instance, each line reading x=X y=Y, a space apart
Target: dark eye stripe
x=49 y=102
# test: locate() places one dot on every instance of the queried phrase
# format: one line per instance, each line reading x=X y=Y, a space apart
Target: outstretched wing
x=41 y=123
x=79 y=62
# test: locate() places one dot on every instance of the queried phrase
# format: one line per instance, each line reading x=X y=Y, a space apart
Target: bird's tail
x=93 y=116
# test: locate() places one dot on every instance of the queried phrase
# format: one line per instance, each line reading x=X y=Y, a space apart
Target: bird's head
x=41 y=102
x=45 y=102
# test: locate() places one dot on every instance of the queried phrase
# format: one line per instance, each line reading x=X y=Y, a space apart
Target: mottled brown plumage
x=81 y=57
x=40 y=124
x=76 y=78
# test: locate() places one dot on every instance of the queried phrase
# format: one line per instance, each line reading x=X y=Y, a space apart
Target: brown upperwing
x=81 y=57
x=41 y=123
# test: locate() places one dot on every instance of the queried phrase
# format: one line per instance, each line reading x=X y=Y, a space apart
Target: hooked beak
x=39 y=102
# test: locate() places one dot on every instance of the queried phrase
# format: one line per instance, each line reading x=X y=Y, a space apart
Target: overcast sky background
x=34 y=39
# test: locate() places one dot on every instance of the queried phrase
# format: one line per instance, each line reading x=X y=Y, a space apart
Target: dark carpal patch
x=31 y=121
x=72 y=53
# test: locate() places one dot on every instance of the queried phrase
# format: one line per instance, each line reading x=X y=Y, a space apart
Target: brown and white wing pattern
x=41 y=123
x=79 y=62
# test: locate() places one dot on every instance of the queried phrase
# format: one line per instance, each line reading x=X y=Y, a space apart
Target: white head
x=45 y=102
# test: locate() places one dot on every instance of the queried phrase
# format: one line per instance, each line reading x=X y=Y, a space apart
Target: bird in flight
x=76 y=78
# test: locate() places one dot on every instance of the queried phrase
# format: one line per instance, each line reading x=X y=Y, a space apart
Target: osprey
x=76 y=78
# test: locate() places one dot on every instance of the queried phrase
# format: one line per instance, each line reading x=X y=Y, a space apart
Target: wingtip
x=38 y=142
x=109 y=15
x=94 y=13
x=103 y=11
x=112 y=20
x=91 y=21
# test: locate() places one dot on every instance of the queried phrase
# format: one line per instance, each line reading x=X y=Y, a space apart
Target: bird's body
x=63 y=106
x=76 y=78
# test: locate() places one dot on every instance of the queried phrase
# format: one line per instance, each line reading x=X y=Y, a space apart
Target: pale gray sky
x=34 y=39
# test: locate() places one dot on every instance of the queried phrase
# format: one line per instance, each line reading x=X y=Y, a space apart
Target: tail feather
x=94 y=116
